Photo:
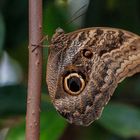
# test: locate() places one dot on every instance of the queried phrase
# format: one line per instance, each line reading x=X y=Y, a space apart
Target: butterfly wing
x=84 y=68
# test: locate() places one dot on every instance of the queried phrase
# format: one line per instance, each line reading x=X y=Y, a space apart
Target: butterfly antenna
x=76 y=18
x=72 y=19
x=78 y=11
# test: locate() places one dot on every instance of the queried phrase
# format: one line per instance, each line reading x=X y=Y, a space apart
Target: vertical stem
x=35 y=71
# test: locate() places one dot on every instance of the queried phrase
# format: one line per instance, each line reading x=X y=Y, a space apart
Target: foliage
x=121 y=117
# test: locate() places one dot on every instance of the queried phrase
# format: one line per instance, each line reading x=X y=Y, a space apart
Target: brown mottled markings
x=72 y=37
x=112 y=42
x=121 y=37
x=133 y=48
x=86 y=100
x=103 y=57
x=99 y=32
x=82 y=37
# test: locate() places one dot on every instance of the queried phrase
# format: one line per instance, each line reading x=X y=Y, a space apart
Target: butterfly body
x=84 y=68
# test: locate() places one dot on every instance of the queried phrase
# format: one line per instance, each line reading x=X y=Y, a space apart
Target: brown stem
x=35 y=71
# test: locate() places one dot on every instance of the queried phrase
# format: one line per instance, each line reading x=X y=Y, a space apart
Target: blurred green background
x=121 y=117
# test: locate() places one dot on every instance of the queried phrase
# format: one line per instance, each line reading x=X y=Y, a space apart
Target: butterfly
x=84 y=68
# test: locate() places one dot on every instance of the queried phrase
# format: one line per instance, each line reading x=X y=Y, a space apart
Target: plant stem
x=35 y=71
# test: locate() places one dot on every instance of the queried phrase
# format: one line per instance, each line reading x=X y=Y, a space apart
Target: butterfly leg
x=40 y=43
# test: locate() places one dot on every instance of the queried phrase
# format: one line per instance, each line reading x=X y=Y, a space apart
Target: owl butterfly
x=84 y=68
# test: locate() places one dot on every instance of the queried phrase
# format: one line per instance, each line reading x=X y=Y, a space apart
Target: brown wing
x=95 y=60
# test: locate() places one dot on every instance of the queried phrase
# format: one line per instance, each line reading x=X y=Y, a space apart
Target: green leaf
x=12 y=100
x=56 y=16
x=121 y=119
x=112 y=4
x=2 y=33
x=92 y=132
x=17 y=132
x=52 y=127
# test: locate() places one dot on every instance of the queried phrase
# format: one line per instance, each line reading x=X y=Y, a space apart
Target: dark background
x=121 y=117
